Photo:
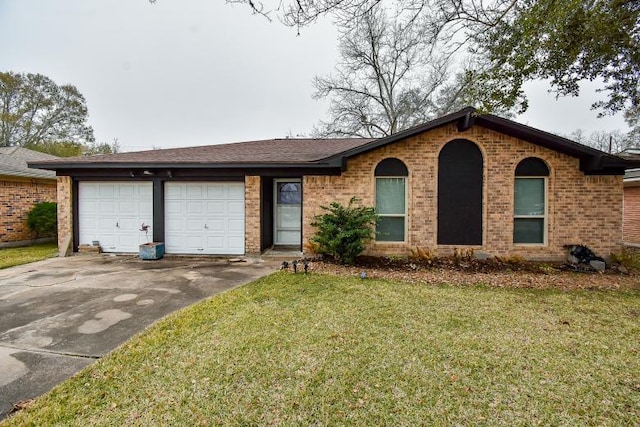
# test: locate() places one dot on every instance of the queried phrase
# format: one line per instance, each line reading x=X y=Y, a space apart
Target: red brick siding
x=631 y=224
x=581 y=209
x=17 y=197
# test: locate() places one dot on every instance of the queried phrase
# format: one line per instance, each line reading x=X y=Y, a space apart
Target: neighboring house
x=631 y=205
x=631 y=223
x=20 y=188
x=465 y=180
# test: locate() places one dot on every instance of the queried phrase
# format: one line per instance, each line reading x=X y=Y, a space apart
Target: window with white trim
x=530 y=202
x=391 y=205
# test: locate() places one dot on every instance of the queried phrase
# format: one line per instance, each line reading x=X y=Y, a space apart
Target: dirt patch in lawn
x=492 y=272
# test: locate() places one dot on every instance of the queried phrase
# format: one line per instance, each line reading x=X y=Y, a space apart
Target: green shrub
x=43 y=219
x=344 y=230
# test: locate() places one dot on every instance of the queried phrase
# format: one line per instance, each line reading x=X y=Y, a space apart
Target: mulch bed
x=492 y=272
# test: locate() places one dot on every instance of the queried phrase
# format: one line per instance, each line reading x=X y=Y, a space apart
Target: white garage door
x=204 y=218
x=113 y=213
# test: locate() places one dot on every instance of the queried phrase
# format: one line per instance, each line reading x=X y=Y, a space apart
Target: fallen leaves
x=454 y=275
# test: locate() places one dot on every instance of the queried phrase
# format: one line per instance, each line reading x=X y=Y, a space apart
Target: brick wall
x=581 y=209
x=252 y=214
x=631 y=225
x=17 y=197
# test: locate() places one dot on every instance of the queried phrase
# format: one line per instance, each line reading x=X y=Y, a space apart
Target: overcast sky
x=196 y=72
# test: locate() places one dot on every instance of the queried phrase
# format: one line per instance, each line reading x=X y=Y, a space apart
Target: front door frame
x=277 y=181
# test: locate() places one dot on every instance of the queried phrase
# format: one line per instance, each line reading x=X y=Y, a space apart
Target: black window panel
x=460 y=178
x=391 y=167
x=532 y=166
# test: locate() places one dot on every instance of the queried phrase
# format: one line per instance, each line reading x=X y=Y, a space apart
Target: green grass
x=10 y=257
x=323 y=350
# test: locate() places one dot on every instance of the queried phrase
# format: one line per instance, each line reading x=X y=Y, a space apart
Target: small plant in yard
x=464 y=254
x=344 y=230
x=627 y=258
x=425 y=255
x=311 y=247
x=547 y=269
x=515 y=260
x=43 y=219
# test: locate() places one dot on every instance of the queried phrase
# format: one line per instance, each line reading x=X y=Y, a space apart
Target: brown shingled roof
x=332 y=153
x=258 y=152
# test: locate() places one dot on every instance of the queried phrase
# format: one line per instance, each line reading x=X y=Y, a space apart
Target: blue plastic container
x=152 y=250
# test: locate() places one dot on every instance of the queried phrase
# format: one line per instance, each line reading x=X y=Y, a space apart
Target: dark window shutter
x=460 y=183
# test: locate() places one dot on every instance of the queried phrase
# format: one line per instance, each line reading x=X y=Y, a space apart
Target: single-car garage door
x=113 y=213
x=204 y=218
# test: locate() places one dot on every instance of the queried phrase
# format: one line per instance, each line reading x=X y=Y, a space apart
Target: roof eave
x=537 y=136
x=5 y=174
x=592 y=161
x=167 y=165
x=464 y=117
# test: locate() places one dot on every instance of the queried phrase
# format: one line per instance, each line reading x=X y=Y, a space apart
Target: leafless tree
x=390 y=77
x=607 y=141
x=385 y=80
x=446 y=18
x=523 y=40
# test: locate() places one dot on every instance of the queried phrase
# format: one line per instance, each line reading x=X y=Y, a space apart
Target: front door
x=288 y=212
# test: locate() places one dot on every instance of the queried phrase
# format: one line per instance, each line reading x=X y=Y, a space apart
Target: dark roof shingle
x=251 y=152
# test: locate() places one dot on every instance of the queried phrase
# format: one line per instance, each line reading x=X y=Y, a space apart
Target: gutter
x=123 y=165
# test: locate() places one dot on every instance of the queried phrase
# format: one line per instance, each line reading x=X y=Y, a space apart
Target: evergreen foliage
x=43 y=219
x=343 y=231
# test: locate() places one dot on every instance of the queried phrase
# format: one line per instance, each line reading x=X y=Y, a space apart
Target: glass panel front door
x=288 y=212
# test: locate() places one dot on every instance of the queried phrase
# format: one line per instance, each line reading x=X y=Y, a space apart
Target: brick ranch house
x=20 y=188
x=465 y=180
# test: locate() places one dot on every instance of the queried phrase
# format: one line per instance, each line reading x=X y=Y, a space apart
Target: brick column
x=252 y=214
x=65 y=216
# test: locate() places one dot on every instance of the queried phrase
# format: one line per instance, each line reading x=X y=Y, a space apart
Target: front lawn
x=10 y=257
x=324 y=350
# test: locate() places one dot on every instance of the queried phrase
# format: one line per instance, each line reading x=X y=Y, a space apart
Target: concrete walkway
x=59 y=315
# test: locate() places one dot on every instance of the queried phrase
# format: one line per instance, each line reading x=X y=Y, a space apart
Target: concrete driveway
x=61 y=314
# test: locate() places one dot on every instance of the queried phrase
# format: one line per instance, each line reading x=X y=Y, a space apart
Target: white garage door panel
x=236 y=226
x=204 y=218
x=172 y=207
x=215 y=208
x=195 y=226
x=112 y=213
x=235 y=241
